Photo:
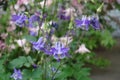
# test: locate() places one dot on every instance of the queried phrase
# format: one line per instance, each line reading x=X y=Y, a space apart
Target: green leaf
x=27 y=74
x=34 y=74
x=5 y=76
x=30 y=38
x=18 y=62
x=27 y=64
x=30 y=59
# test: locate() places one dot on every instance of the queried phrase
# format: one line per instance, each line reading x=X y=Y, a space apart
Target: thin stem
x=45 y=68
x=56 y=71
x=82 y=35
x=44 y=6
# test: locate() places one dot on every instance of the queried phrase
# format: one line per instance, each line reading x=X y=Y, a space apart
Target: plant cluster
x=51 y=39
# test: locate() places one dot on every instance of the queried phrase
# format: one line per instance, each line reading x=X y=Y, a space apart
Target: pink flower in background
x=118 y=1
x=70 y=11
x=20 y=2
x=2 y=45
x=77 y=5
x=48 y=3
x=4 y=35
x=21 y=42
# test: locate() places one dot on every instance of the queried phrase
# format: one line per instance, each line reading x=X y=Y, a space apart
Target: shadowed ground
x=113 y=71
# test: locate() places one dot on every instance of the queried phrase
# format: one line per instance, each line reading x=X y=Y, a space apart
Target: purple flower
x=33 y=33
x=35 y=66
x=34 y=20
x=39 y=45
x=84 y=23
x=17 y=75
x=95 y=23
x=62 y=14
x=59 y=51
x=20 y=19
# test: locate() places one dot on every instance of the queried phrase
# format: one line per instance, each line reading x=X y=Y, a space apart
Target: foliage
x=49 y=35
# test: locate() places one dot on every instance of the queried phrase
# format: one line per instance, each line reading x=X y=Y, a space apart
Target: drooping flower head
x=59 y=51
x=20 y=19
x=39 y=45
x=16 y=75
x=34 y=66
x=95 y=23
x=83 y=23
x=82 y=49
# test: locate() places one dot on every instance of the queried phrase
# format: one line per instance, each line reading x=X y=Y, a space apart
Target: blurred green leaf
x=30 y=38
x=18 y=62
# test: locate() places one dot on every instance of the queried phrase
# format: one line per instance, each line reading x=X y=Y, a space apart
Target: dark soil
x=113 y=71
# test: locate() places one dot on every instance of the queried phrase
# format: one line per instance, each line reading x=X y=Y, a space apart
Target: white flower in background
x=21 y=42
x=48 y=3
x=4 y=35
x=27 y=49
x=66 y=40
x=118 y=1
x=20 y=2
x=70 y=12
x=12 y=27
x=12 y=46
x=54 y=38
x=34 y=29
x=82 y=49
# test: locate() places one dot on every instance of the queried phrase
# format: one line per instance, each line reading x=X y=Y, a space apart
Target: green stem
x=56 y=71
x=44 y=6
x=44 y=68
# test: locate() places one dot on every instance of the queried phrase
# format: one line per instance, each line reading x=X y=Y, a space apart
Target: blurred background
x=105 y=43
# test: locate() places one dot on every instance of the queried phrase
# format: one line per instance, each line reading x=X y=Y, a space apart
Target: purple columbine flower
x=33 y=24
x=84 y=23
x=95 y=23
x=39 y=45
x=34 y=20
x=16 y=75
x=20 y=19
x=59 y=51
